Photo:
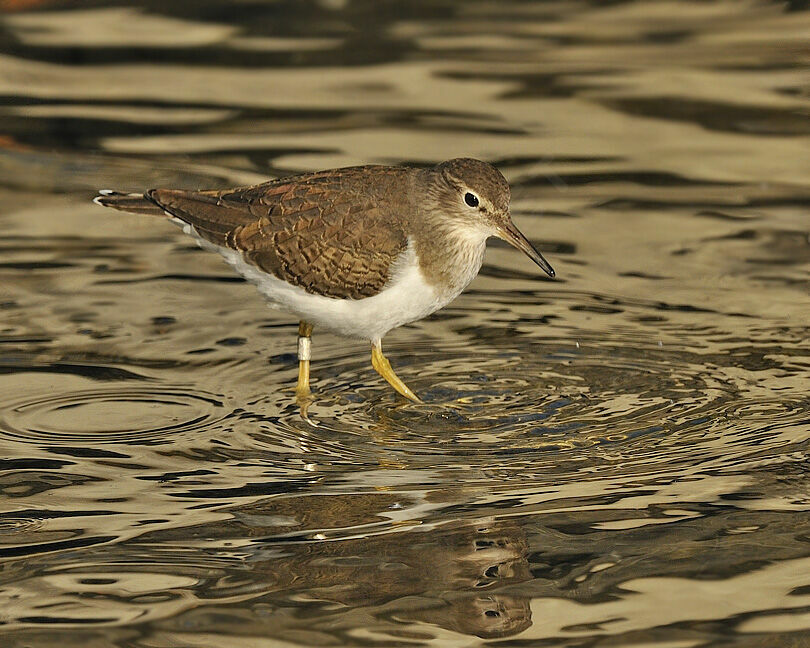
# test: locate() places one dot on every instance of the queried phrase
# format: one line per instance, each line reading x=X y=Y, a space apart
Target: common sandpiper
x=357 y=251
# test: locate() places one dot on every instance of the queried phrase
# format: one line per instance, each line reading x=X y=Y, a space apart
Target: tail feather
x=129 y=202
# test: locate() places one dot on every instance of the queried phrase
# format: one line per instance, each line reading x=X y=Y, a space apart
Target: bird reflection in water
x=453 y=577
x=468 y=568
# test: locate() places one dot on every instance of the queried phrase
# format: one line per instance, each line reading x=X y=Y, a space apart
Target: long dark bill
x=514 y=236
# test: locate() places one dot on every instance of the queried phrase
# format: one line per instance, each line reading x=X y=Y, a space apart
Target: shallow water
x=616 y=457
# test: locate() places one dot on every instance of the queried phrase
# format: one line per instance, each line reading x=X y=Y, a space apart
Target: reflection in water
x=617 y=457
x=450 y=578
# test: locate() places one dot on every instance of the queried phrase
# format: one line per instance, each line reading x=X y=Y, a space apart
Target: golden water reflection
x=617 y=457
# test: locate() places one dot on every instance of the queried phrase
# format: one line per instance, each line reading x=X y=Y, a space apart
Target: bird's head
x=475 y=197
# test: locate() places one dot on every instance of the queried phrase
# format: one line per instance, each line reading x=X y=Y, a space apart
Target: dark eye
x=471 y=199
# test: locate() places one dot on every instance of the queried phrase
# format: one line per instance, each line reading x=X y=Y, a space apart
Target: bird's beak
x=514 y=237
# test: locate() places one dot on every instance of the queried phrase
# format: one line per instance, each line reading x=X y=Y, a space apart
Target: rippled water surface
x=618 y=457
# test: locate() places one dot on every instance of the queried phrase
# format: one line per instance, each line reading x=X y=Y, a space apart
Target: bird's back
x=333 y=233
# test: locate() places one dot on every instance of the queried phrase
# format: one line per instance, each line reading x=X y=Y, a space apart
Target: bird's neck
x=449 y=257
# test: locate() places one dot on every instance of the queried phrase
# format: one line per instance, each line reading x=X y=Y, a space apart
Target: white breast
x=406 y=298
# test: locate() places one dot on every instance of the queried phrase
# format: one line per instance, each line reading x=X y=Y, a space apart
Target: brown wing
x=332 y=233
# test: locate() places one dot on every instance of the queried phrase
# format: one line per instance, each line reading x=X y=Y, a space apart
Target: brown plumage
x=359 y=250
x=328 y=233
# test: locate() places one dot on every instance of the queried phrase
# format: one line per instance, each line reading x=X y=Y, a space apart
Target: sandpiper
x=358 y=250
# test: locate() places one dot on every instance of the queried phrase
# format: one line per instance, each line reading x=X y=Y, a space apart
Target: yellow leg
x=304 y=342
x=383 y=367
x=302 y=393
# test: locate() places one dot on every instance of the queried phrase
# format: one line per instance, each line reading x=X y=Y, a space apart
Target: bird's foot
x=383 y=367
x=304 y=400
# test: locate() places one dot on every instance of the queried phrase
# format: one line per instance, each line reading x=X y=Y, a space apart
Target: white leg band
x=304 y=348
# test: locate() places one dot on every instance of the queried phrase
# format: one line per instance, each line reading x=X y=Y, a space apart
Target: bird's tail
x=129 y=202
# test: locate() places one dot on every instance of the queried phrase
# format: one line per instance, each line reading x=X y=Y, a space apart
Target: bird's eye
x=471 y=199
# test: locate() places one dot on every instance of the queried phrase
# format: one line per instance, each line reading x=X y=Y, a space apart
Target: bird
x=357 y=251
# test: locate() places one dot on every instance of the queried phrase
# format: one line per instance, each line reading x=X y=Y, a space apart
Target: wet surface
x=616 y=457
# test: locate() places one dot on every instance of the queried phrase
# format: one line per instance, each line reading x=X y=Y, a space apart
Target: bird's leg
x=304 y=353
x=383 y=367
x=303 y=396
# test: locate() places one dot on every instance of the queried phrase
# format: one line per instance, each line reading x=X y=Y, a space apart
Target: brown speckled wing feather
x=331 y=233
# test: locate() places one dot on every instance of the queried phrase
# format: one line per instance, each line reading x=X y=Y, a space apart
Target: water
x=616 y=457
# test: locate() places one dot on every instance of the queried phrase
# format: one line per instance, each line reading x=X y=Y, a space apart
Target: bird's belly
x=407 y=297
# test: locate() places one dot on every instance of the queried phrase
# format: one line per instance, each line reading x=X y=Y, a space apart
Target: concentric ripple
x=143 y=415
x=12 y=528
x=548 y=403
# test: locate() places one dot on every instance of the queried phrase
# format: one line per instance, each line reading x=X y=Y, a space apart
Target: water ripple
x=110 y=415
x=615 y=457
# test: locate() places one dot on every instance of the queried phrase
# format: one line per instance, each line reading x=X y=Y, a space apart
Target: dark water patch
x=32 y=464
x=56 y=171
x=8 y=365
x=23 y=339
x=49 y=547
x=93 y=453
x=742 y=235
x=212 y=56
x=546 y=213
x=625 y=204
x=178 y=475
x=33 y=515
x=248 y=490
x=35 y=265
x=231 y=341
x=730 y=117
x=643 y=178
x=642 y=275
x=29 y=483
x=519 y=161
x=52 y=620
x=725 y=216
x=601 y=310
x=538 y=85
x=49 y=124
x=176 y=277
x=75 y=132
